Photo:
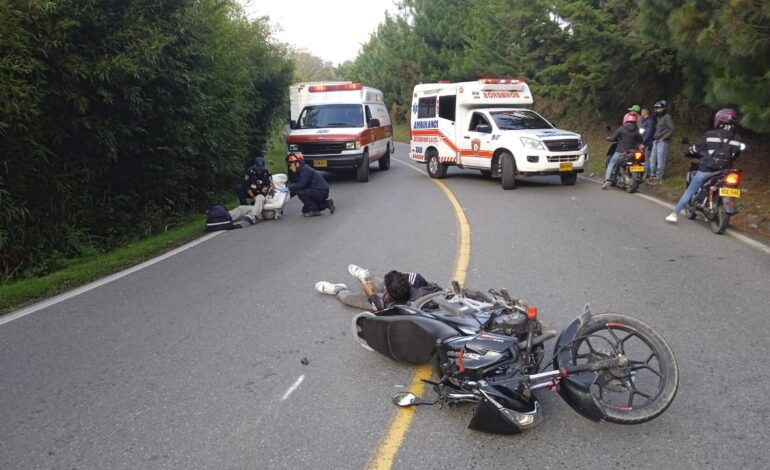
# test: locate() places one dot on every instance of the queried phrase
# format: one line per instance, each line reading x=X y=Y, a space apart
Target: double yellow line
x=399 y=425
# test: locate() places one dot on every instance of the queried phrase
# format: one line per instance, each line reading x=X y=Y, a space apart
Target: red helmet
x=295 y=157
x=629 y=117
x=725 y=117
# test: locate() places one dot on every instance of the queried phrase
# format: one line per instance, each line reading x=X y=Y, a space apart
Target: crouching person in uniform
x=310 y=186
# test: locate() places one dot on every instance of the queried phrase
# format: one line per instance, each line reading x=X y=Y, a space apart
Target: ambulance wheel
x=436 y=169
x=384 y=160
x=508 y=170
x=363 y=169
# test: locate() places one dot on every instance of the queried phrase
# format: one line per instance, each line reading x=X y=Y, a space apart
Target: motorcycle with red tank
x=488 y=350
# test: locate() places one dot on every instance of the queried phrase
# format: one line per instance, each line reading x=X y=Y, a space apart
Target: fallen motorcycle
x=488 y=350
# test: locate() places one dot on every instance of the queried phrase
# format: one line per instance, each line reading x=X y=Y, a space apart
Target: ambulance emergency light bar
x=340 y=87
x=500 y=81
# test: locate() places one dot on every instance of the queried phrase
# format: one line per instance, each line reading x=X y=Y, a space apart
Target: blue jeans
x=692 y=188
x=658 y=159
x=611 y=166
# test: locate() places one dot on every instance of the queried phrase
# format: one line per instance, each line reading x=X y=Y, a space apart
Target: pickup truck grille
x=326 y=148
x=563 y=158
x=566 y=145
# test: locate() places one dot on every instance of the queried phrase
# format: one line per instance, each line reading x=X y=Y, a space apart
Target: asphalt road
x=196 y=361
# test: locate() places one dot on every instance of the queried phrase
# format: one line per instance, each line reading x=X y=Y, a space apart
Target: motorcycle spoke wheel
x=721 y=219
x=646 y=386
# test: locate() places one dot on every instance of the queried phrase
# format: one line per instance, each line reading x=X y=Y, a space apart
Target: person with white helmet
x=715 y=151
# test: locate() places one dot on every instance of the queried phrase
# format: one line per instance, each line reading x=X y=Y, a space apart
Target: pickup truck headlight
x=293 y=147
x=351 y=145
x=533 y=144
x=580 y=142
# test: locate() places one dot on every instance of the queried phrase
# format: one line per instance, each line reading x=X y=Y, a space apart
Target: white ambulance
x=486 y=125
x=340 y=125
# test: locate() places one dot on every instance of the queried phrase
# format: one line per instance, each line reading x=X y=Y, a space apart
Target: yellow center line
x=399 y=425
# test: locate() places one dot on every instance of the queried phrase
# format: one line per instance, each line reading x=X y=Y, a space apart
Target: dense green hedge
x=118 y=118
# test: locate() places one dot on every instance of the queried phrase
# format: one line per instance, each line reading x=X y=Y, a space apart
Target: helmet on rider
x=725 y=117
x=660 y=105
x=295 y=157
x=629 y=117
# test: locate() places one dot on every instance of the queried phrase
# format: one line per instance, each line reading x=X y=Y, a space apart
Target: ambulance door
x=447 y=115
x=476 y=148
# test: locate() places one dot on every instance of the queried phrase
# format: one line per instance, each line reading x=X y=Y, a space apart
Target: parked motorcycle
x=629 y=173
x=488 y=350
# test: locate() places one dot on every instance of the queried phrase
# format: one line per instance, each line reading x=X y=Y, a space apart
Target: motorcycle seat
x=405 y=338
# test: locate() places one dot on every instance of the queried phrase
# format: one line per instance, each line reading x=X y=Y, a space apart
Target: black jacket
x=418 y=287
x=627 y=136
x=717 y=149
x=307 y=178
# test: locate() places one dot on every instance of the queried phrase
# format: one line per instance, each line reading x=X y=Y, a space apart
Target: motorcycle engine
x=512 y=324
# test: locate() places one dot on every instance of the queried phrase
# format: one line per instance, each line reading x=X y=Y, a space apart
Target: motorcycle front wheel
x=721 y=219
x=646 y=386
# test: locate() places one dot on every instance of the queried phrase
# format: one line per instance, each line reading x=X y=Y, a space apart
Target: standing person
x=310 y=186
x=715 y=151
x=647 y=129
x=377 y=293
x=627 y=136
x=664 y=129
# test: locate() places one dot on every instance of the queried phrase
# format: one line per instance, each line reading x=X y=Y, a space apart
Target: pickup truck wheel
x=568 y=179
x=363 y=169
x=436 y=169
x=384 y=160
x=508 y=170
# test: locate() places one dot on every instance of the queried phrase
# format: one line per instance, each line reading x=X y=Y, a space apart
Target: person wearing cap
x=664 y=129
x=309 y=185
x=635 y=110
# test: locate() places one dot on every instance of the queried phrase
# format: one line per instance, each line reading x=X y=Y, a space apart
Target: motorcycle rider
x=627 y=136
x=715 y=151
x=378 y=293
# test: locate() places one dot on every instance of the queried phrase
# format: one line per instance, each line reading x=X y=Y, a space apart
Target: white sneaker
x=329 y=288
x=251 y=219
x=359 y=273
x=671 y=218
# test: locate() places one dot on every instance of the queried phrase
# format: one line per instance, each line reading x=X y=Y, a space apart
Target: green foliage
x=120 y=118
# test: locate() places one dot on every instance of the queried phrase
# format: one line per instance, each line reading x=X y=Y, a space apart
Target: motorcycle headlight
x=533 y=144
x=293 y=147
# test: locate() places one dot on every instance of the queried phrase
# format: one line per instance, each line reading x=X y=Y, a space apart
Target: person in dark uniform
x=309 y=185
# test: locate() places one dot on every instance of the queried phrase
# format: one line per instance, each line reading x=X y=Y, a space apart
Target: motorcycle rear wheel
x=643 y=389
x=721 y=219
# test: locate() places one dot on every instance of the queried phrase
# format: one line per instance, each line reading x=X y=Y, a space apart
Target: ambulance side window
x=477 y=119
x=446 y=107
x=426 y=107
x=368 y=114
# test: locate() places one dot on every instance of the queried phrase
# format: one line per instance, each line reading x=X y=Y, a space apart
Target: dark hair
x=397 y=286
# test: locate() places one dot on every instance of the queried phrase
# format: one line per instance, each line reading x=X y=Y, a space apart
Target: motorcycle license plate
x=730 y=192
x=565 y=166
x=320 y=163
x=637 y=169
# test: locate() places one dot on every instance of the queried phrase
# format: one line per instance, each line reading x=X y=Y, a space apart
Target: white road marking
x=293 y=387
x=106 y=280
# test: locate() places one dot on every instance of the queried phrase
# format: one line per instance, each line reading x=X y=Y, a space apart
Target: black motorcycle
x=629 y=172
x=488 y=350
x=716 y=199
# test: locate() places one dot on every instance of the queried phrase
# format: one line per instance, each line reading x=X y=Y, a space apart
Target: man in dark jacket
x=377 y=293
x=715 y=151
x=309 y=185
x=628 y=137
x=647 y=129
x=664 y=129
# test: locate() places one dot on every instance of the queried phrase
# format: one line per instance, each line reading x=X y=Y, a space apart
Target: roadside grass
x=79 y=271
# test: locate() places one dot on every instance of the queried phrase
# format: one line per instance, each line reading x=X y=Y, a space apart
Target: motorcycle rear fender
x=576 y=389
x=730 y=205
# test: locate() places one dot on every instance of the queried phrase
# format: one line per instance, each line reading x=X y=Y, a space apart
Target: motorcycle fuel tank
x=474 y=354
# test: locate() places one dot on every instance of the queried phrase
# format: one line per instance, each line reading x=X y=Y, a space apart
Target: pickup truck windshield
x=518 y=120
x=331 y=115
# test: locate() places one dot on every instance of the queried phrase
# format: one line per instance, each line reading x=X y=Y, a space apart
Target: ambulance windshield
x=331 y=115
x=519 y=120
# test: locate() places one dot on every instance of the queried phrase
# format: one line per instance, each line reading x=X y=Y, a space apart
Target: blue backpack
x=218 y=218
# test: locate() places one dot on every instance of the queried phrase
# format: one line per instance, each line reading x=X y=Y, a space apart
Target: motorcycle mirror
x=404 y=399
